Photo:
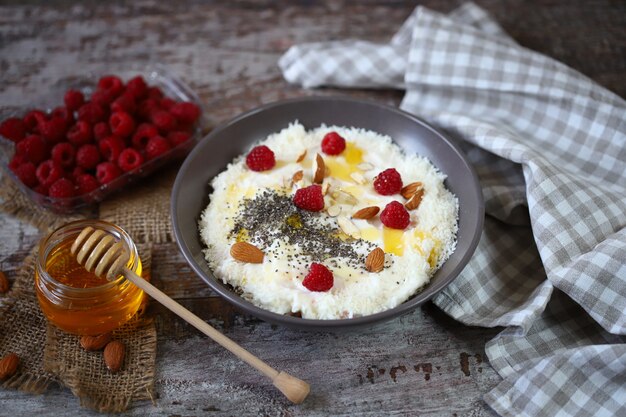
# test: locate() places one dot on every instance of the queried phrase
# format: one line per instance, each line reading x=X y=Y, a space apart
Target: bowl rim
x=319 y=324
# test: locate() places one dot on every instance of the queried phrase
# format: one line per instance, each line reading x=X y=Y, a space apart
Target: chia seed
x=270 y=216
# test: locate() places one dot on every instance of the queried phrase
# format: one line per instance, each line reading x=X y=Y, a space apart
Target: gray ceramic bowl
x=215 y=151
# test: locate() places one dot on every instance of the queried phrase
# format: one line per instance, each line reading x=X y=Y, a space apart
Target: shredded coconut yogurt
x=257 y=207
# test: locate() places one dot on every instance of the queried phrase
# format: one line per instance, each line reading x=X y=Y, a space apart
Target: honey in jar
x=78 y=301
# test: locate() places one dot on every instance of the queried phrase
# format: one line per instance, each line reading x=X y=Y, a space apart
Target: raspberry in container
x=96 y=134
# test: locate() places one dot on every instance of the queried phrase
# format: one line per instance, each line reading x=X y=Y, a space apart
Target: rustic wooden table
x=423 y=363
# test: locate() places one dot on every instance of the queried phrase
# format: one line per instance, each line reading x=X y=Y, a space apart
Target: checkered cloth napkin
x=549 y=146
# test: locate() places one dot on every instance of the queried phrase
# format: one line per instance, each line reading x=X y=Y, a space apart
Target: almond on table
x=4 y=283
x=91 y=343
x=8 y=365
x=114 y=354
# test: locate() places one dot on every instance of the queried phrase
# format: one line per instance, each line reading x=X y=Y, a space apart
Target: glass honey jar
x=78 y=301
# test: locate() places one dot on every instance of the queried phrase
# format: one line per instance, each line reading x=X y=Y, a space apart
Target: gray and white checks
x=549 y=146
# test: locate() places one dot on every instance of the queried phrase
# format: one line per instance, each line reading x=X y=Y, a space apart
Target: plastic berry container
x=155 y=76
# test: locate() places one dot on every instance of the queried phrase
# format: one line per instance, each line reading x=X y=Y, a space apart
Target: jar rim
x=79 y=225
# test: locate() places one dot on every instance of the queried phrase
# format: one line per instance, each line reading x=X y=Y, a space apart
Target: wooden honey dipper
x=99 y=252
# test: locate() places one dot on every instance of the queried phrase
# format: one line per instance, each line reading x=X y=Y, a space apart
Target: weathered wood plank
x=423 y=362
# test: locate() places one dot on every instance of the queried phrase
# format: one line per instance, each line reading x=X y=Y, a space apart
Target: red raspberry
x=137 y=87
x=86 y=183
x=155 y=93
x=88 y=156
x=33 y=148
x=101 y=130
x=186 y=112
x=62 y=188
x=16 y=161
x=77 y=172
x=395 y=216
x=48 y=172
x=111 y=148
x=13 y=129
x=63 y=113
x=111 y=84
x=53 y=130
x=107 y=172
x=27 y=174
x=147 y=107
x=166 y=103
x=129 y=159
x=33 y=119
x=388 y=182
x=125 y=103
x=163 y=120
x=73 y=99
x=80 y=133
x=185 y=127
x=309 y=198
x=333 y=143
x=260 y=158
x=92 y=113
x=41 y=189
x=102 y=98
x=64 y=154
x=178 y=137
x=157 y=146
x=143 y=134
x=319 y=278
x=122 y=124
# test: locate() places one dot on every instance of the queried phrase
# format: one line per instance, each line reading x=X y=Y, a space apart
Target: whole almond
x=114 y=353
x=8 y=365
x=4 y=283
x=246 y=252
x=366 y=213
x=301 y=157
x=375 y=261
x=319 y=169
x=410 y=189
x=91 y=343
x=415 y=200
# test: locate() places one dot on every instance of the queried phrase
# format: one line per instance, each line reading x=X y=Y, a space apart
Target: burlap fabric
x=85 y=372
x=16 y=204
x=23 y=332
x=144 y=211
x=49 y=355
